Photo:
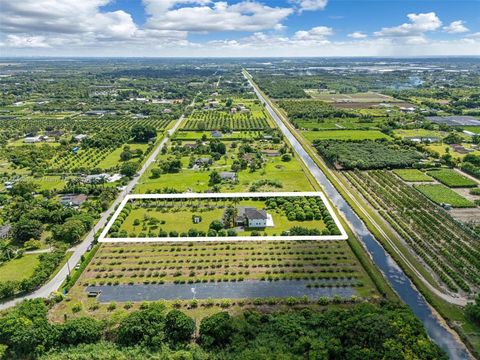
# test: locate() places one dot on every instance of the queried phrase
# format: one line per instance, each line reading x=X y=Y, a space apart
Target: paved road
x=55 y=283
x=341 y=204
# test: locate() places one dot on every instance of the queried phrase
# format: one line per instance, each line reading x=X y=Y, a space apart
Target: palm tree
x=7 y=249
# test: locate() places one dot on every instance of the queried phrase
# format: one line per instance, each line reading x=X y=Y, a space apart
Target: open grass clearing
x=412 y=175
x=20 y=268
x=345 y=135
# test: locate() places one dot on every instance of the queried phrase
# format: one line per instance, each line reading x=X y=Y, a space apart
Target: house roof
x=245 y=212
x=228 y=175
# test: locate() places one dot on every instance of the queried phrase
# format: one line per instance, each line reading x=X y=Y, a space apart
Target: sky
x=239 y=28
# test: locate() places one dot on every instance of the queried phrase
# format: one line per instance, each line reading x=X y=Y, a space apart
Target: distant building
x=216 y=134
x=4 y=231
x=74 y=200
x=79 y=137
x=54 y=133
x=32 y=139
x=251 y=217
x=203 y=161
x=97 y=178
x=228 y=175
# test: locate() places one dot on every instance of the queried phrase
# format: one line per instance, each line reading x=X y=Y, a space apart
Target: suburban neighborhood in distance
x=240 y=179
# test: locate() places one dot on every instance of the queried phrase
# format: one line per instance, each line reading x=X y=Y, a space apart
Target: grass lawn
x=290 y=174
x=441 y=150
x=356 y=97
x=19 y=269
x=50 y=183
x=344 y=135
x=441 y=194
x=451 y=178
x=180 y=220
x=412 y=175
x=113 y=158
x=474 y=129
x=420 y=133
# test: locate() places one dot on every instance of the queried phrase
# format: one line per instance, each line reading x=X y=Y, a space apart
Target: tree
x=25 y=229
x=7 y=250
x=24 y=188
x=70 y=232
x=214 y=178
x=82 y=330
x=125 y=155
x=156 y=172
x=179 y=327
x=216 y=225
x=143 y=133
x=472 y=311
x=217 y=330
x=129 y=169
x=286 y=157
x=143 y=327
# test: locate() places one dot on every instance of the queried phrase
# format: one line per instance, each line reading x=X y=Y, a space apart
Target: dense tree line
x=365 y=331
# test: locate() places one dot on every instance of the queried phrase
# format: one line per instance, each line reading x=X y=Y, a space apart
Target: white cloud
x=412 y=33
x=418 y=25
x=455 y=27
x=18 y=41
x=310 y=5
x=318 y=33
x=206 y=16
x=357 y=35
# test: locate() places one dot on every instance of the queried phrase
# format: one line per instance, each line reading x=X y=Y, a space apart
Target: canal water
x=393 y=273
x=218 y=290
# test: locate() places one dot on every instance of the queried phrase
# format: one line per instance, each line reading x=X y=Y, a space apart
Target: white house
x=251 y=217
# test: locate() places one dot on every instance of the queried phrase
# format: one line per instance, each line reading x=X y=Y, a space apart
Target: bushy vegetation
x=363 y=331
x=441 y=194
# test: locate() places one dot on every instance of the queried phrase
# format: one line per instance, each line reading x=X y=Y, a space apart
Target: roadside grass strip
x=342 y=235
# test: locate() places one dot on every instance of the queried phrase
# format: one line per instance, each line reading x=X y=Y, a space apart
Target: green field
x=113 y=158
x=19 y=269
x=344 y=135
x=451 y=178
x=474 y=129
x=412 y=175
x=175 y=216
x=352 y=97
x=290 y=174
x=441 y=194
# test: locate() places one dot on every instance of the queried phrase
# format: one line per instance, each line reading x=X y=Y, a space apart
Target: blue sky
x=239 y=27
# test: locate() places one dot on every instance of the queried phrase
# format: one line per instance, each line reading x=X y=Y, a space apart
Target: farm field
x=231 y=135
x=474 y=129
x=344 y=135
x=419 y=133
x=441 y=194
x=447 y=248
x=412 y=175
x=440 y=149
x=19 y=269
x=347 y=98
x=451 y=178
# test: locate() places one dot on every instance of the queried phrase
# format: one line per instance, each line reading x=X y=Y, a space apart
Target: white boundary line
x=102 y=238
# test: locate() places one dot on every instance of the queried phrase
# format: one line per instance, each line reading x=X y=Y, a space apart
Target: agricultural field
x=366 y=154
x=451 y=178
x=450 y=250
x=276 y=216
x=327 y=267
x=412 y=175
x=238 y=115
x=441 y=194
x=365 y=97
x=344 y=135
